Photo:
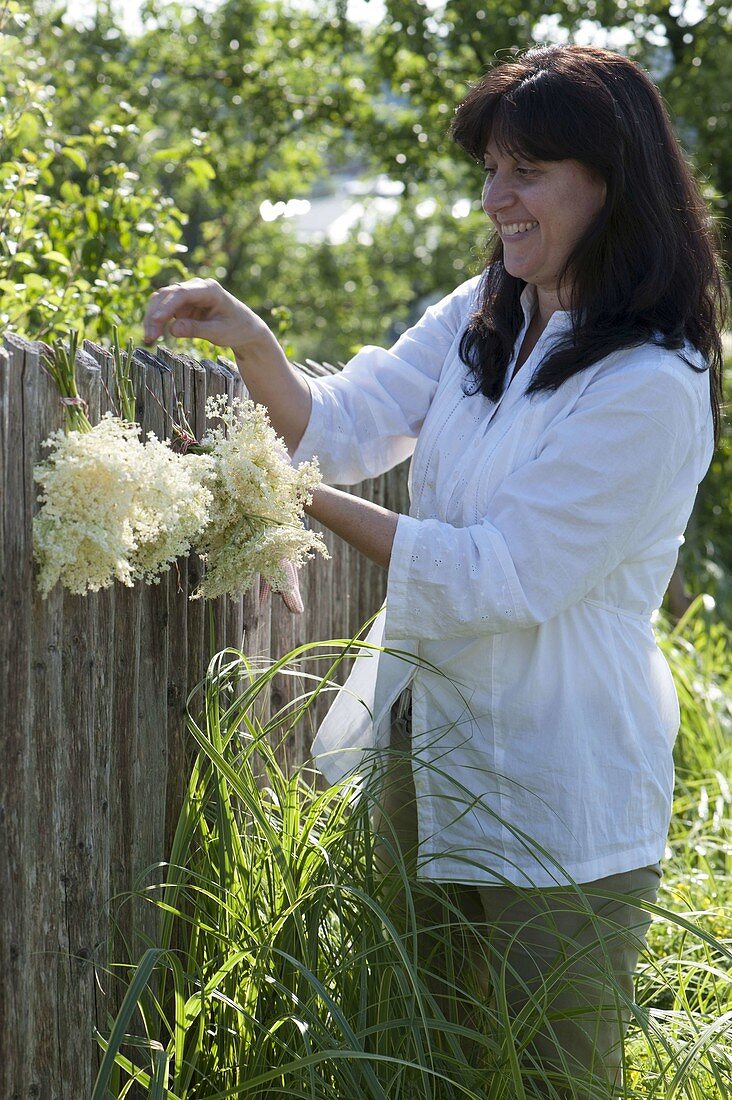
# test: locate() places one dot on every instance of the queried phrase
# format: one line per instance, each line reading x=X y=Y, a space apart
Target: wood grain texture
x=150 y=762
x=30 y=888
x=83 y=896
x=177 y=677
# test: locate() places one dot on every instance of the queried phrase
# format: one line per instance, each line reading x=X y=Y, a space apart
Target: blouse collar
x=560 y=319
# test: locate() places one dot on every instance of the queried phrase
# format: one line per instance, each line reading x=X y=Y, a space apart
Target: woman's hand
x=202 y=309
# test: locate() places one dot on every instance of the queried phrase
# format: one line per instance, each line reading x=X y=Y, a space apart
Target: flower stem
x=123 y=378
x=63 y=371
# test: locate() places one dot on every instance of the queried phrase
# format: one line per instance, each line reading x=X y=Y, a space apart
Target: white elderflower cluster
x=113 y=507
x=255 y=523
x=173 y=506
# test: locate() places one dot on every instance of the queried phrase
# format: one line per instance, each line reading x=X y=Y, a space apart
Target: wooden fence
x=93 y=691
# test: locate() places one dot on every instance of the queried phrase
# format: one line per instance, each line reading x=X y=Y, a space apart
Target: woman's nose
x=496 y=194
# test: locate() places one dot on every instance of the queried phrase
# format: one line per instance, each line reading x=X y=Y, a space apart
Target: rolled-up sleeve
x=558 y=524
x=365 y=419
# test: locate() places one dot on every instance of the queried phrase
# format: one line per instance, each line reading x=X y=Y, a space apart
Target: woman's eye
x=520 y=170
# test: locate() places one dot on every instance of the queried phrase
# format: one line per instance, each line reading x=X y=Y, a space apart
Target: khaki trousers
x=557 y=965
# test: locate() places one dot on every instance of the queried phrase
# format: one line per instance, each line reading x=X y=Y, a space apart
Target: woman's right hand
x=201 y=309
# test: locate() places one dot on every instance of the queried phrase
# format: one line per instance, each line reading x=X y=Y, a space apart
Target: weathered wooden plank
x=103 y=671
x=125 y=659
x=257 y=643
x=198 y=648
x=150 y=763
x=287 y=632
x=81 y=913
x=256 y=625
x=107 y=393
x=235 y=608
x=219 y=380
x=29 y=947
x=43 y=848
x=124 y=750
x=12 y=988
x=177 y=688
x=314 y=625
x=364 y=572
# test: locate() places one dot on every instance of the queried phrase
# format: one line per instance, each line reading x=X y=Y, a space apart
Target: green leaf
x=172 y=152
x=201 y=169
x=75 y=156
x=129 y=1004
x=150 y=265
x=57 y=258
x=92 y=252
x=26 y=129
x=70 y=192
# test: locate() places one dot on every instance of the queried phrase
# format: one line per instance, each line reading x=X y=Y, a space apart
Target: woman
x=560 y=411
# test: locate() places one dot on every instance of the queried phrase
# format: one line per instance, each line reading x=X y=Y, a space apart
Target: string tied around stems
x=75 y=401
x=184 y=441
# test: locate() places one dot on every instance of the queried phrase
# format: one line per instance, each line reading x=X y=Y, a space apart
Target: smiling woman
x=528 y=740
x=627 y=224
x=541 y=210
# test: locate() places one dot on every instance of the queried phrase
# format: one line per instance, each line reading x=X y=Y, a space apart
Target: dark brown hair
x=648 y=267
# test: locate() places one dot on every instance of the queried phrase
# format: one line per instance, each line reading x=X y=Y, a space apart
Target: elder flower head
x=172 y=506
x=114 y=508
x=255 y=524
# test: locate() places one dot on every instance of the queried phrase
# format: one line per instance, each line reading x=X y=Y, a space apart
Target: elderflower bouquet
x=255 y=520
x=112 y=506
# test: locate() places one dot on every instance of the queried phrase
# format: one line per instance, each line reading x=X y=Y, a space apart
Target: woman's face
x=540 y=209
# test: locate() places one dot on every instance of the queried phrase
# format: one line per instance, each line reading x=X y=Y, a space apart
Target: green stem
x=63 y=371
x=123 y=378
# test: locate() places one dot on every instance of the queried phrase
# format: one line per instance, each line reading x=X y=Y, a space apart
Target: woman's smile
x=517 y=230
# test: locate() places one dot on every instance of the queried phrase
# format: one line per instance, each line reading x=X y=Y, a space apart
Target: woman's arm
x=360 y=421
x=365 y=419
x=368 y=527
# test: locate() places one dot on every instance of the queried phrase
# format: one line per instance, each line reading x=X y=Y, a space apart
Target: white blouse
x=541 y=536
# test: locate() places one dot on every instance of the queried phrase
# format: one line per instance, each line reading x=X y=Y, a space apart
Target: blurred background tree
x=136 y=157
x=79 y=224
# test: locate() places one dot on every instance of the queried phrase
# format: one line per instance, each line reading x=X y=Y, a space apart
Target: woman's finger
x=191 y=329
x=165 y=304
x=175 y=301
x=158 y=313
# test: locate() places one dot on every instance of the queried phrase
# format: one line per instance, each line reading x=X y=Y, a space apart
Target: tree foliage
x=82 y=233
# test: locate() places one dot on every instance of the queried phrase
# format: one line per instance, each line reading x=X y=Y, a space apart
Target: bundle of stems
x=124 y=386
x=62 y=368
